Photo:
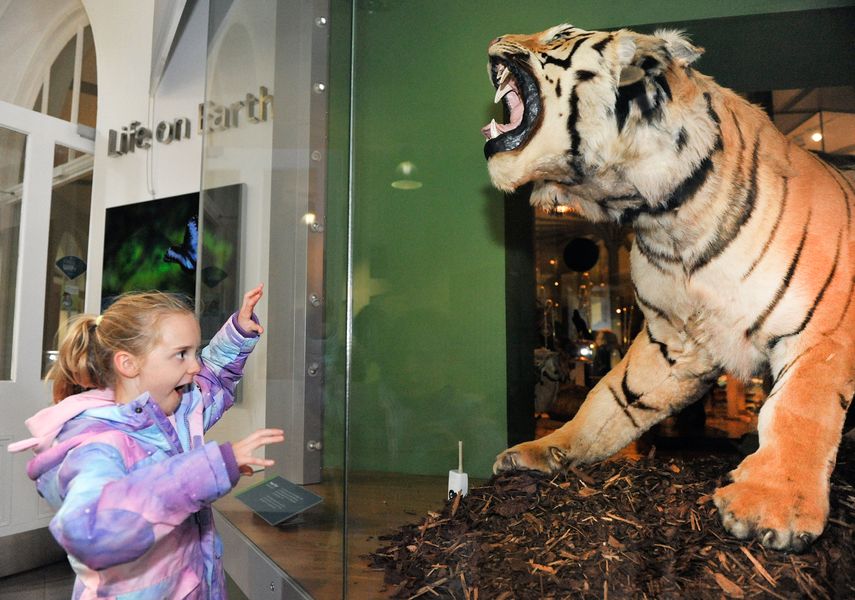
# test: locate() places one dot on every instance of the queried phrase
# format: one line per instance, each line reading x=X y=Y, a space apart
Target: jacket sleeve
x=222 y=367
x=111 y=516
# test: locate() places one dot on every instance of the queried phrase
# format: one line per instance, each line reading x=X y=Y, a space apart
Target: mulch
x=620 y=529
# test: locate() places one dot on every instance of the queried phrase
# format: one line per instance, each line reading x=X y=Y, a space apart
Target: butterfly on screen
x=185 y=254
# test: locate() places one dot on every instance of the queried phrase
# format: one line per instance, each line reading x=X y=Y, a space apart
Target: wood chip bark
x=623 y=528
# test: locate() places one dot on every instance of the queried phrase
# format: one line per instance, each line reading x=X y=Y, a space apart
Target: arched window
x=69 y=89
x=48 y=69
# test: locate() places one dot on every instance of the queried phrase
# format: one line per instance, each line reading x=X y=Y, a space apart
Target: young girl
x=121 y=454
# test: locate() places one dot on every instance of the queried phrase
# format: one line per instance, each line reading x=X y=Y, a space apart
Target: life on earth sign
x=211 y=117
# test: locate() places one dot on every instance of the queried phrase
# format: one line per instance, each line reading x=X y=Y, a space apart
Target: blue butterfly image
x=185 y=254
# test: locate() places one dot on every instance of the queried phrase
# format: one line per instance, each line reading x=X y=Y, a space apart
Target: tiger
x=742 y=260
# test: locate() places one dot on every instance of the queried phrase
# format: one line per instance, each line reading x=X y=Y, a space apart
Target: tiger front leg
x=779 y=494
x=648 y=385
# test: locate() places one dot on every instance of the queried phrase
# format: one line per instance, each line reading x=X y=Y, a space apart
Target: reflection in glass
x=87 y=111
x=61 y=88
x=818 y=119
x=12 y=151
x=67 y=246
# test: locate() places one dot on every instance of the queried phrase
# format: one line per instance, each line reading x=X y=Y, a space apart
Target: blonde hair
x=85 y=358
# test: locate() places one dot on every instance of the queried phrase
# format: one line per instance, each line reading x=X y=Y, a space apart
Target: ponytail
x=79 y=365
x=85 y=358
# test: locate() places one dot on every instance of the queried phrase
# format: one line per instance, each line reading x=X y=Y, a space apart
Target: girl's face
x=171 y=364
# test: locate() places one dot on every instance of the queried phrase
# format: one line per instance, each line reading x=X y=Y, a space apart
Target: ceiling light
x=405 y=172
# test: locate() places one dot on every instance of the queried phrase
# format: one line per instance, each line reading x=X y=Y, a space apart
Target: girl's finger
x=267 y=432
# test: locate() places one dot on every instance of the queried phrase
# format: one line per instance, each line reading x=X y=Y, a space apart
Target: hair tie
x=98 y=320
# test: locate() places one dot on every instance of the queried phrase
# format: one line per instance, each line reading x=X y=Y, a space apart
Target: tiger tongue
x=493 y=129
x=517 y=108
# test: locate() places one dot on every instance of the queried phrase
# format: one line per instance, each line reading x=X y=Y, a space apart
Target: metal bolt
x=316 y=227
x=321 y=21
x=314 y=445
x=315 y=300
x=313 y=369
x=319 y=88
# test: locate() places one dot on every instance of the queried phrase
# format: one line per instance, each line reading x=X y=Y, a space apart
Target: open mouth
x=517 y=88
x=183 y=388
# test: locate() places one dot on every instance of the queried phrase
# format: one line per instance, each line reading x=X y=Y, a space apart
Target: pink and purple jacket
x=132 y=492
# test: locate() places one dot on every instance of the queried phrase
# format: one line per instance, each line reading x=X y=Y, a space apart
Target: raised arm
x=224 y=358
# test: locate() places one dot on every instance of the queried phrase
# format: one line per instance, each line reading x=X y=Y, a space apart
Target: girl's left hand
x=244 y=317
x=244 y=448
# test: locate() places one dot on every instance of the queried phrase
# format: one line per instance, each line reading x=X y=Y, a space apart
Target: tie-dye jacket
x=132 y=492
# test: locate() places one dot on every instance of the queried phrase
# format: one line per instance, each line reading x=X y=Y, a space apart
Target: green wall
x=428 y=264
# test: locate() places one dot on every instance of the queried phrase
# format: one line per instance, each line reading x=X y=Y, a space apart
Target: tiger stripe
x=624 y=407
x=785 y=283
x=782 y=205
x=817 y=300
x=663 y=348
x=836 y=175
x=736 y=215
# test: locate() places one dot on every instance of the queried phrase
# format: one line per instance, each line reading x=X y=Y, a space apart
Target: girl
x=121 y=455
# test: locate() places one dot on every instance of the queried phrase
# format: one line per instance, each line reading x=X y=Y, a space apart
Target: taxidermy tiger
x=742 y=259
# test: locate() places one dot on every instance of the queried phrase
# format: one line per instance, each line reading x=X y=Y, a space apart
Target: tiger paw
x=779 y=517
x=533 y=456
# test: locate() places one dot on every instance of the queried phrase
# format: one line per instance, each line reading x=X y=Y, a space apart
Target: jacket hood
x=78 y=419
x=46 y=424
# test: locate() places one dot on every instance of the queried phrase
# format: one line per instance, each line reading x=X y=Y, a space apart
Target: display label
x=277 y=500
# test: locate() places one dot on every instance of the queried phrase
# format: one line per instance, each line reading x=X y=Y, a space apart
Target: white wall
x=32 y=33
x=123 y=33
x=123 y=45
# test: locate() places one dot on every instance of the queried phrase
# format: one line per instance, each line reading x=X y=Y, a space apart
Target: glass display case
x=411 y=306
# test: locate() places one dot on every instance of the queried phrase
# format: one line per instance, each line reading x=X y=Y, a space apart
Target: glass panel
x=12 y=151
x=61 y=90
x=65 y=288
x=88 y=107
x=256 y=52
x=431 y=295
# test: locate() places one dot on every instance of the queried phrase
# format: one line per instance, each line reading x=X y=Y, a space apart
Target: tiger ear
x=642 y=55
x=627 y=46
x=679 y=46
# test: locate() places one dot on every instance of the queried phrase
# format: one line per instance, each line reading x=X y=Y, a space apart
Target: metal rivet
x=138 y=409
x=315 y=300
x=314 y=445
x=319 y=88
x=316 y=227
x=313 y=369
x=321 y=21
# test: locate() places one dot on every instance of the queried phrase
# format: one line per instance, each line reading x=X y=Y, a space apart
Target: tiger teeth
x=501 y=85
x=503 y=74
x=500 y=93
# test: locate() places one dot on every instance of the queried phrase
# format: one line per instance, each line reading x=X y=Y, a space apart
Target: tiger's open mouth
x=515 y=85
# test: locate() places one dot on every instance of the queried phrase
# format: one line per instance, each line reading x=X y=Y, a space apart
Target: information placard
x=277 y=500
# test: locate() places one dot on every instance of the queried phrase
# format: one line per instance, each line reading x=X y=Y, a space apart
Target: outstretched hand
x=243 y=449
x=244 y=318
